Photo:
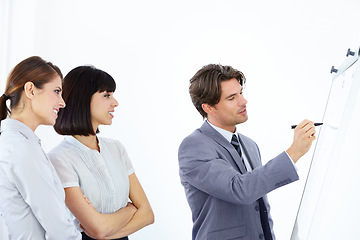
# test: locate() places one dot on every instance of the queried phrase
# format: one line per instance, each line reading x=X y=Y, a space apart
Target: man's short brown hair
x=205 y=85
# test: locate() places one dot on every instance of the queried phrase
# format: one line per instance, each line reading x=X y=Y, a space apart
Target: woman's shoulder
x=17 y=140
x=10 y=150
x=62 y=148
x=110 y=142
x=112 y=145
x=19 y=152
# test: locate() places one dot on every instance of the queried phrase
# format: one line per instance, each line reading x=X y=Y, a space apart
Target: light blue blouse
x=32 y=200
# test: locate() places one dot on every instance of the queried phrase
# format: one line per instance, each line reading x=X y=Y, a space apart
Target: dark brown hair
x=79 y=86
x=205 y=85
x=33 y=69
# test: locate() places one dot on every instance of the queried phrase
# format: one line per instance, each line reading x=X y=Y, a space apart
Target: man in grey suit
x=221 y=170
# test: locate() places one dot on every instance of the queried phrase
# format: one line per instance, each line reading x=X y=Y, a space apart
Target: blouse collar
x=15 y=125
x=80 y=145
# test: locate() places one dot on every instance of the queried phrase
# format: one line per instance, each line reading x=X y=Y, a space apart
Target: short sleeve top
x=102 y=176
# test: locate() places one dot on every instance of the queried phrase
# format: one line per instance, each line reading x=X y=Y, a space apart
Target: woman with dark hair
x=32 y=200
x=96 y=167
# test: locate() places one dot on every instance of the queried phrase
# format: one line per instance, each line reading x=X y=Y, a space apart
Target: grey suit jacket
x=222 y=196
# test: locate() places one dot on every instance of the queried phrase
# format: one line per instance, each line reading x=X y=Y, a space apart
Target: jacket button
x=257 y=208
x=261 y=236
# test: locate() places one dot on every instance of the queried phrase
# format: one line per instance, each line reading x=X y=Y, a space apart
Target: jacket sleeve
x=203 y=165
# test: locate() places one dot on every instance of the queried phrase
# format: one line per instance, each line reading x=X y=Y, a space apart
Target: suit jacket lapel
x=216 y=136
x=249 y=152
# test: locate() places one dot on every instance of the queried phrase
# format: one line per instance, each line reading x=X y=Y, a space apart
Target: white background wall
x=152 y=48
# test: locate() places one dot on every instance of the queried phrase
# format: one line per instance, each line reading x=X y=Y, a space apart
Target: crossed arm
x=125 y=221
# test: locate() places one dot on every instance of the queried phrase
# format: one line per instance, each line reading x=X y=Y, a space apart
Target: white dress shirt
x=102 y=176
x=32 y=200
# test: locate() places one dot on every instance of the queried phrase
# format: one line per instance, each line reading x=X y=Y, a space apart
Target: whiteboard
x=329 y=208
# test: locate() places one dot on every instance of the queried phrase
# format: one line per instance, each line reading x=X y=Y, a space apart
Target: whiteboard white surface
x=329 y=207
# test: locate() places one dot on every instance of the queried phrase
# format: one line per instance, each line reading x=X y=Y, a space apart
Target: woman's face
x=102 y=107
x=47 y=102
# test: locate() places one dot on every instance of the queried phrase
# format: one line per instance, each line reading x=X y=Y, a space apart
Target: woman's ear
x=29 y=89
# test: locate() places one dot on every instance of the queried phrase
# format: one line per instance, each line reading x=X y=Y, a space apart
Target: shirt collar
x=80 y=145
x=226 y=134
x=15 y=125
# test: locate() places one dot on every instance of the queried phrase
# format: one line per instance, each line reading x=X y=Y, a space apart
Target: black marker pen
x=316 y=124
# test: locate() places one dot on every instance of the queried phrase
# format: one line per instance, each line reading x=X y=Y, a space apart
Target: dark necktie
x=263 y=212
x=236 y=144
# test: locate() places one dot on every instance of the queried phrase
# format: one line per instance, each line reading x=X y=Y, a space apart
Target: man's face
x=231 y=109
